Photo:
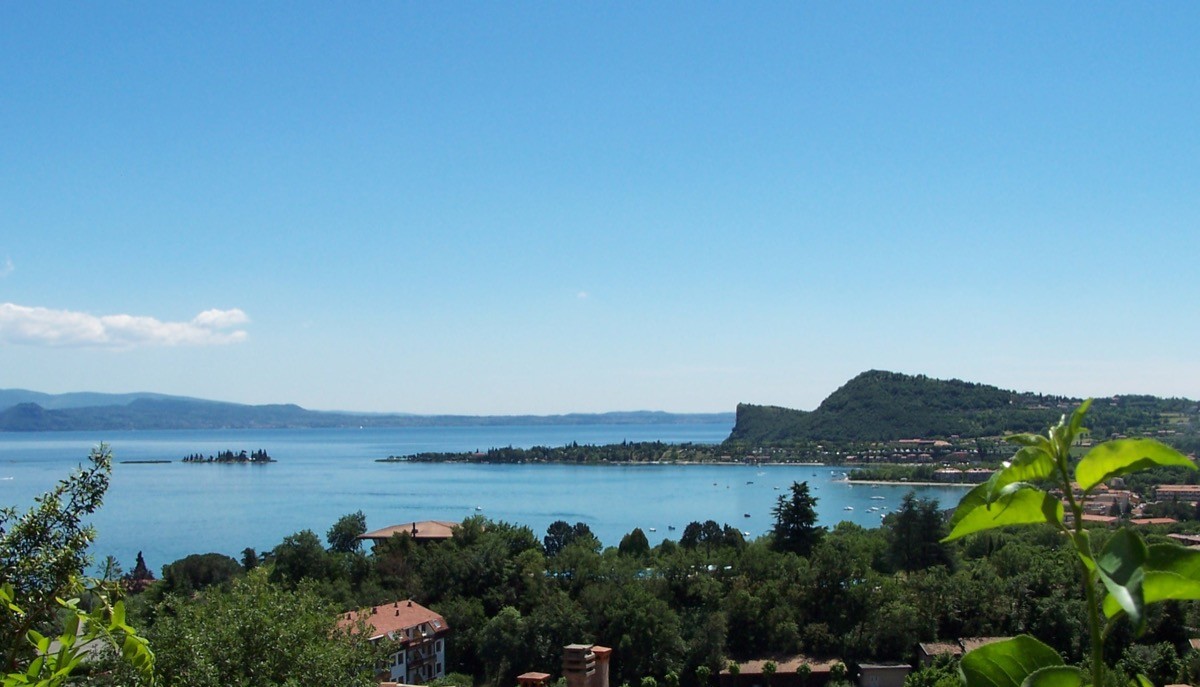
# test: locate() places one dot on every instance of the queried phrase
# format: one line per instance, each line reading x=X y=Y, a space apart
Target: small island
x=257 y=457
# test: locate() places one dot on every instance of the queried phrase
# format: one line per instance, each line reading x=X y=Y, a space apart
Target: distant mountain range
x=888 y=406
x=22 y=410
x=873 y=406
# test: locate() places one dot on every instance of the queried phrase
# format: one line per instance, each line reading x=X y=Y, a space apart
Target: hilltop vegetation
x=879 y=406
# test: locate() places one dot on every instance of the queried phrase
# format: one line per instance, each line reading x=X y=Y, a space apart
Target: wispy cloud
x=582 y=295
x=7 y=268
x=21 y=324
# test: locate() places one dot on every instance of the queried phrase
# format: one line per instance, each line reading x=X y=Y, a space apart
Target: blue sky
x=541 y=208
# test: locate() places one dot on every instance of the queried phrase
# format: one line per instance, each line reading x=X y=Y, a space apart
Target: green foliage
x=257 y=634
x=198 y=571
x=53 y=663
x=1133 y=574
x=795 y=527
x=453 y=680
x=44 y=550
x=301 y=557
x=942 y=672
x=634 y=544
x=916 y=532
x=561 y=534
x=1158 y=662
x=884 y=406
x=42 y=555
x=343 y=536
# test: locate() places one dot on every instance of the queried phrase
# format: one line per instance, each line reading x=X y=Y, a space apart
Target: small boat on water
x=879 y=498
x=848 y=508
x=745 y=515
x=653 y=529
x=671 y=528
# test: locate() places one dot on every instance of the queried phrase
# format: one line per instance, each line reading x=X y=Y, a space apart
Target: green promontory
x=888 y=406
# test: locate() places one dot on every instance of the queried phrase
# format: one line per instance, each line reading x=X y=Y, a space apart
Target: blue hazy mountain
x=23 y=410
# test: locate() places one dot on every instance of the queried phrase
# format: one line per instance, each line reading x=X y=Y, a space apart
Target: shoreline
x=909 y=484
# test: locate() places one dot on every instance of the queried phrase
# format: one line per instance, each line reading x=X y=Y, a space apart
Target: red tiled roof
x=972 y=643
x=394 y=617
x=1153 y=521
x=938 y=648
x=785 y=664
x=425 y=529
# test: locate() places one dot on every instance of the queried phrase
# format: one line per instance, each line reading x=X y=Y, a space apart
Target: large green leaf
x=974 y=499
x=1174 y=558
x=1021 y=507
x=1008 y=663
x=1054 y=676
x=1033 y=440
x=1159 y=586
x=1030 y=464
x=1123 y=456
x=1121 y=569
x=1076 y=423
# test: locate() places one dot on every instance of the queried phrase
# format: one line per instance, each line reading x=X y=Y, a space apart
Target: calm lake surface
x=171 y=510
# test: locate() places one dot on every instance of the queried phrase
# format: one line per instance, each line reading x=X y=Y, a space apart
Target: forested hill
x=158 y=412
x=888 y=406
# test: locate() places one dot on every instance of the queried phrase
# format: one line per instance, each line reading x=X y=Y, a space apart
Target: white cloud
x=21 y=324
x=7 y=268
x=582 y=295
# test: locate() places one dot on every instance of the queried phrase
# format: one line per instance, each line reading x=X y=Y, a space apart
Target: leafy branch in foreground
x=56 y=659
x=42 y=556
x=1131 y=574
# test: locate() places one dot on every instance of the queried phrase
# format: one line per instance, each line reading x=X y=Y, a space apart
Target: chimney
x=603 y=653
x=579 y=665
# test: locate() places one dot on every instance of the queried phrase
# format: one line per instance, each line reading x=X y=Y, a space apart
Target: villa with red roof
x=421 y=635
x=422 y=531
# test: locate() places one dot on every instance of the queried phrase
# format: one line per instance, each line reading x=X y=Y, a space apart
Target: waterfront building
x=420 y=636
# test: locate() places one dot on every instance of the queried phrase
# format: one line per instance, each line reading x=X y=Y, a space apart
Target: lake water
x=171 y=510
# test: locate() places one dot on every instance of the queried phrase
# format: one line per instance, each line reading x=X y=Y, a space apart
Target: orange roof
x=389 y=619
x=937 y=648
x=972 y=643
x=423 y=530
x=785 y=664
x=1153 y=521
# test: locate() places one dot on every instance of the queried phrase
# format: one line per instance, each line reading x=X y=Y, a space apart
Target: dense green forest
x=887 y=406
x=514 y=599
x=624 y=452
x=677 y=611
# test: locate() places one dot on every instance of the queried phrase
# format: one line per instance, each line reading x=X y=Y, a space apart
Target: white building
x=421 y=633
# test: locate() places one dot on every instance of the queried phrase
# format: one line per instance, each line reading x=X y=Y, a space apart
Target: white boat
x=848 y=508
